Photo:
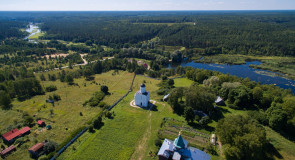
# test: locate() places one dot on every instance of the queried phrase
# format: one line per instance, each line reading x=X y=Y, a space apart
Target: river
x=244 y=71
x=33 y=29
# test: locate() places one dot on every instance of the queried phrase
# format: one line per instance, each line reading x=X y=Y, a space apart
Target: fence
x=85 y=129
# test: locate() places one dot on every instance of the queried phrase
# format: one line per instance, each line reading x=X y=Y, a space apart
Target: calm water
x=244 y=71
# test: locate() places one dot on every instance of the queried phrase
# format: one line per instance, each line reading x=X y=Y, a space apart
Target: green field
x=66 y=113
x=130 y=135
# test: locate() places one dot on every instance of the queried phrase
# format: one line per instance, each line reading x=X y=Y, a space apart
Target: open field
x=66 y=112
x=130 y=135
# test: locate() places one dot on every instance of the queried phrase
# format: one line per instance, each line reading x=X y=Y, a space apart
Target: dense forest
x=254 y=33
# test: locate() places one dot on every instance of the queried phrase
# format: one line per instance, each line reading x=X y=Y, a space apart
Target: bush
x=51 y=88
x=97 y=123
x=91 y=129
x=97 y=97
x=158 y=142
x=50 y=146
x=104 y=89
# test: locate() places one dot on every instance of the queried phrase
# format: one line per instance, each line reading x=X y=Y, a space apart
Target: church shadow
x=154 y=108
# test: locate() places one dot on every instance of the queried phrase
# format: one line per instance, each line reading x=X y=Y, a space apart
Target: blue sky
x=107 y=5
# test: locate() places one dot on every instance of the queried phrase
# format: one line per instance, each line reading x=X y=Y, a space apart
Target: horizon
x=146 y=5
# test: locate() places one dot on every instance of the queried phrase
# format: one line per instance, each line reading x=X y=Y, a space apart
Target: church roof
x=179 y=142
x=142 y=85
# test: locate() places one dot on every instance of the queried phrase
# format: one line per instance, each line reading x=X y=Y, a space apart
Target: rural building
x=6 y=151
x=165 y=98
x=220 y=101
x=41 y=123
x=142 y=97
x=25 y=131
x=11 y=136
x=179 y=150
x=36 y=149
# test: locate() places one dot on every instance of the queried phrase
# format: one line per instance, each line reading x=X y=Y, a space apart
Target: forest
x=79 y=47
x=253 y=33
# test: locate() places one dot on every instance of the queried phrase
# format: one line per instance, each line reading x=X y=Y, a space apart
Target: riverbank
x=284 y=66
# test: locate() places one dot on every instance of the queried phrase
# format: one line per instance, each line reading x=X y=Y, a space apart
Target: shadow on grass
x=271 y=152
x=154 y=108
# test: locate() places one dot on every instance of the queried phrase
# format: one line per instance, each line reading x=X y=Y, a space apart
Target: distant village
x=11 y=136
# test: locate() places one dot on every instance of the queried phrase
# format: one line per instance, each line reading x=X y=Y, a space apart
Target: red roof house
x=36 y=149
x=41 y=123
x=7 y=151
x=11 y=135
x=25 y=130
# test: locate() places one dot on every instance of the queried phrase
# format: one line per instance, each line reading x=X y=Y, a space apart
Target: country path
x=140 y=149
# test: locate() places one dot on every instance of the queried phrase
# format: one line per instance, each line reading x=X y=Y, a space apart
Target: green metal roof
x=178 y=142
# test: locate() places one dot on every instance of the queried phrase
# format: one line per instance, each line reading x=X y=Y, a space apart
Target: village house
x=6 y=151
x=12 y=135
x=36 y=150
x=179 y=150
x=142 y=97
x=41 y=123
x=219 y=101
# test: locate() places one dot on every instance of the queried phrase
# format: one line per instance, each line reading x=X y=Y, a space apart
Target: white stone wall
x=142 y=100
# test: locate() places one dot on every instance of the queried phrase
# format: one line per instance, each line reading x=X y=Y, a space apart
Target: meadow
x=66 y=112
x=130 y=135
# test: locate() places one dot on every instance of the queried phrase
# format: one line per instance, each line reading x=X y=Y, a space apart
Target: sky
x=138 y=5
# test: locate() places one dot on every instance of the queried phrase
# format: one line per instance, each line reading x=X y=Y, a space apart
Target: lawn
x=182 y=82
x=65 y=113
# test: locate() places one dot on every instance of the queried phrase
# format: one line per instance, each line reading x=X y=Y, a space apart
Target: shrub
x=51 y=88
x=158 y=142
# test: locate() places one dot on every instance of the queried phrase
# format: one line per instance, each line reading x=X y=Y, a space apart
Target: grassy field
x=285 y=147
x=37 y=35
x=130 y=135
x=132 y=132
x=182 y=82
x=65 y=113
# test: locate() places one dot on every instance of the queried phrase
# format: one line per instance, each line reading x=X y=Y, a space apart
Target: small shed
x=36 y=149
x=220 y=101
x=48 y=127
x=165 y=98
x=41 y=123
x=6 y=151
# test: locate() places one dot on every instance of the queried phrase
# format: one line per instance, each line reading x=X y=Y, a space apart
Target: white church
x=142 y=97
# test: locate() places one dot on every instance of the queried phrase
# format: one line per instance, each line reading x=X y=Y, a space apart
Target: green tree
x=204 y=121
x=189 y=114
x=69 y=79
x=42 y=77
x=241 y=137
x=5 y=100
x=104 y=89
